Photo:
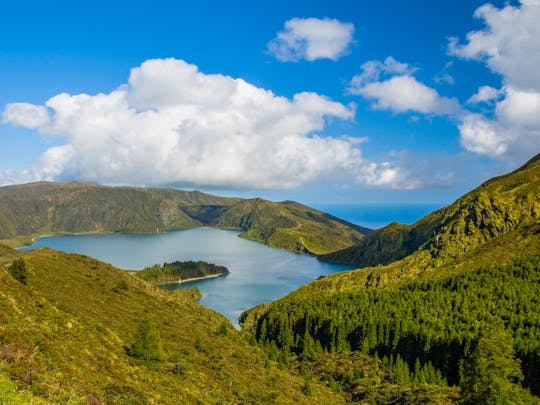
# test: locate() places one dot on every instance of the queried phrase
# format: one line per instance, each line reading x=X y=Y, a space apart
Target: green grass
x=64 y=338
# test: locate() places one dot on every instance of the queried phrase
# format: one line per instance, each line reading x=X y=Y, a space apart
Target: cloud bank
x=172 y=124
x=312 y=39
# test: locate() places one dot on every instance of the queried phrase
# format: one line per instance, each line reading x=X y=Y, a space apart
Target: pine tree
x=492 y=373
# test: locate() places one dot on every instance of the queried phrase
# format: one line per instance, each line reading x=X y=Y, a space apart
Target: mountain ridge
x=44 y=208
x=491 y=209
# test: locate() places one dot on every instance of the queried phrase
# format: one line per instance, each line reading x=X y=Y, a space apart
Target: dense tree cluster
x=177 y=271
x=428 y=330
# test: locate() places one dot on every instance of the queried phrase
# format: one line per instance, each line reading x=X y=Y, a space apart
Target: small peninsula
x=181 y=272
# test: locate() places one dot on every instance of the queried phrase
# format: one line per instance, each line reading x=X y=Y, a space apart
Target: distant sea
x=376 y=216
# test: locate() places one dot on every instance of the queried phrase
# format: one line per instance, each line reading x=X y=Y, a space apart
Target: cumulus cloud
x=311 y=39
x=520 y=108
x=484 y=95
x=483 y=136
x=25 y=115
x=391 y=86
x=172 y=124
x=509 y=45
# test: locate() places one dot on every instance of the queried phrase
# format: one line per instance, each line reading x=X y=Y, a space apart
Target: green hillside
x=82 y=331
x=44 y=208
x=497 y=207
x=460 y=307
x=291 y=225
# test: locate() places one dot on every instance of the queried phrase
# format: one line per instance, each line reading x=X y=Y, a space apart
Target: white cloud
x=372 y=70
x=444 y=78
x=405 y=93
x=484 y=95
x=311 y=39
x=171 y=124
x=509 y=45
x=401 y=92
x=482 y=136
x=25 y=115
x=520 y=108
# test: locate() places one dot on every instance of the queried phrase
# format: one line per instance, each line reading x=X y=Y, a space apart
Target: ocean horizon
x=376 y=216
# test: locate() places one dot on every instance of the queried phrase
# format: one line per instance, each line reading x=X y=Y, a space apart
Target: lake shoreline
x=189 y=280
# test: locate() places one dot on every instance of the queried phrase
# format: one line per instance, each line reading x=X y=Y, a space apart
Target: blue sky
x=318 y=101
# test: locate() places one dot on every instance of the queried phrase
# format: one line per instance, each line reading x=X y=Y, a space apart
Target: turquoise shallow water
x=258 y=273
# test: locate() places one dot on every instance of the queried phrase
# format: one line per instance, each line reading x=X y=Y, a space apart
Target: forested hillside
x=35 y=209
x=461 y=310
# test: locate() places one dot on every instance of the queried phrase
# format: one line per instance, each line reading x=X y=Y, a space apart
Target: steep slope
x=497 y=207
x=64 y=338
x=476 y=270
x=55 y=208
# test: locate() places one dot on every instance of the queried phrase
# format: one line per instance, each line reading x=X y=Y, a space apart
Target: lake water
x=258 y=273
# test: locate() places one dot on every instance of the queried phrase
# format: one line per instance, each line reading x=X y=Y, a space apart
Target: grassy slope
x=291 y=225
x=498 y=206
x=62 y=338
x=54 y=208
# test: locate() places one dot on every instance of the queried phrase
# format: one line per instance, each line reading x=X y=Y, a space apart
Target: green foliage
x=494 y=209
x=492 y=374
x=367 y=379
x=424 y=328
x=122 y=394
x=147 y=343
x=180 y=271
x=63 y=340
x=121 y=286
x=18 y=271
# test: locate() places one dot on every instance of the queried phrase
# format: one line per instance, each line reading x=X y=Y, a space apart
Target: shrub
x=147 y=342
x=18 y=271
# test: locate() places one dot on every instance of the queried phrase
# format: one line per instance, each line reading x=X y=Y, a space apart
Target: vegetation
x=492 y=373
x=147 y=342
x=71 y=335
x=18 y=270
x=494 y=209
x=425 y=330
x=461 y=308
x=55 y=208
x=180 y=271
x=456 y=318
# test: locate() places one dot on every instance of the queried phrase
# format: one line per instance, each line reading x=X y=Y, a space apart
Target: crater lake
x=258 y=273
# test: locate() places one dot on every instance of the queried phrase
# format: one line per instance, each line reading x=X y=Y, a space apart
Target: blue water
x=257 y=273
x=377 y=216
